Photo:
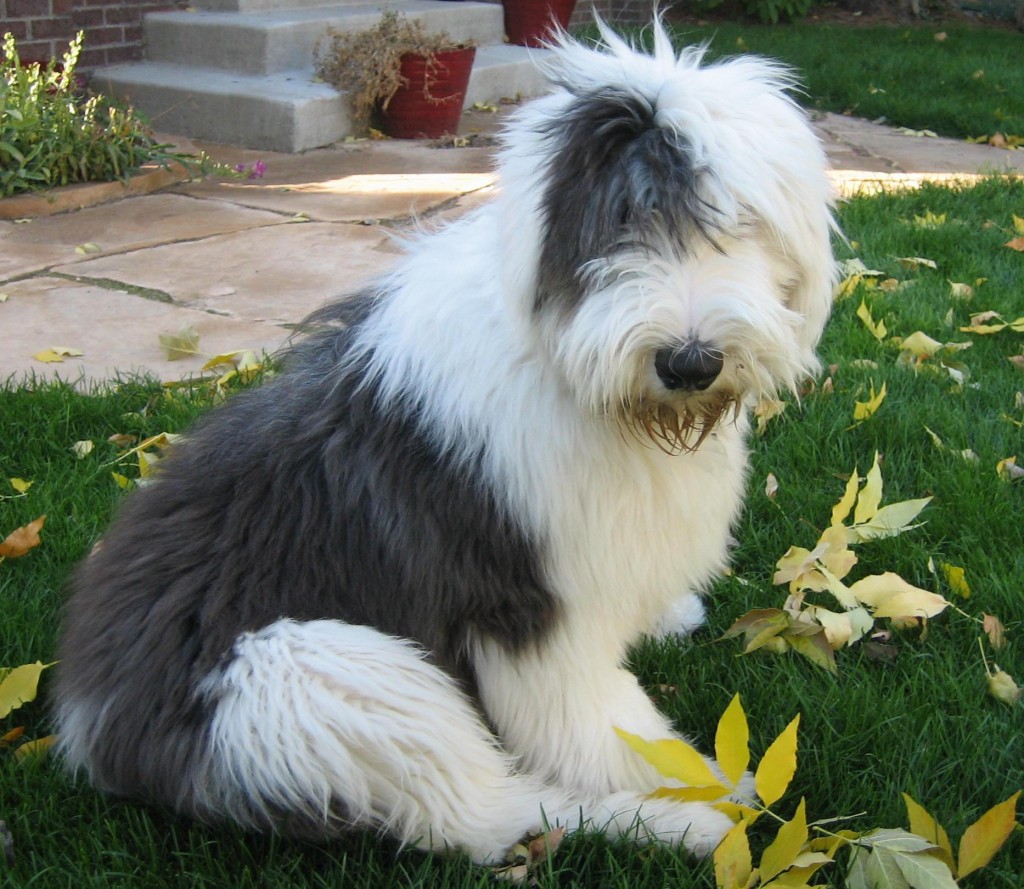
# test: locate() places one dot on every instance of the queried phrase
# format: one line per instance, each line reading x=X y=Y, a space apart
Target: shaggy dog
x=394 y=587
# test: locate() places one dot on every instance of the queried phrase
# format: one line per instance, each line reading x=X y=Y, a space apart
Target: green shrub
x=773 y=11
x=52 y=135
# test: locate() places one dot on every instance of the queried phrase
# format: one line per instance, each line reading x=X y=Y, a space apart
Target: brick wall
x=113 y=28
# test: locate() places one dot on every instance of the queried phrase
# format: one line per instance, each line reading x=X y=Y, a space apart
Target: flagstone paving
x=241 y=260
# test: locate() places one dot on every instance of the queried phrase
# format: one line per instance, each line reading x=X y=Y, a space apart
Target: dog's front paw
x=684 y=617
x=696 y=827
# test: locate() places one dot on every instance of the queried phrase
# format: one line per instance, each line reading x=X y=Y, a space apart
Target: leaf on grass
x=984 y=838
x=870 y=496
x=863 y=410
x=778 y=765
x=18 y=685
x=813 y=645
x=956 y=578
x=675 y=759
x=925 y=826
x=889 y=595
x=525 y=857
x=920 y=345
x=184 y=344
x=929 y=219
x=33 y=749
x=123 y=481
x=759 y=627
x=915 y=262
x=732 y=739
x=889 y=521
x=733 y=865
x=771 y=486
x=784 y=849
x=1008 y=470
x=19 y=542
x=20 y=485
x=1002 y=687
x=994 y=629
x=959 y=290
x=1016 y=244
x=841 y=510
x=766 y=410
x=82 y=449
x=876 y=328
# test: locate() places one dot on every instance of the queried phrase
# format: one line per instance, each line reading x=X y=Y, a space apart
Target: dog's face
x=681 y=234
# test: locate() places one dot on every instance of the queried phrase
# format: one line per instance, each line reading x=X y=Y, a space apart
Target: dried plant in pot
x=410 y=82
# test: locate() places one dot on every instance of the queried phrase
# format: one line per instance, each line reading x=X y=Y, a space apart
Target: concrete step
x=267 y=5
x=285 y=111
x=271 y=42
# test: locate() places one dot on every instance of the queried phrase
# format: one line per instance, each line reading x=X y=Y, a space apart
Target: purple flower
x=239 y=168
x=257 y=170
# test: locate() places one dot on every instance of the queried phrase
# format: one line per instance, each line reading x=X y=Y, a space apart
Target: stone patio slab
x=117 y=332
x=277 y=273
x=117 y=228
x=360 y=182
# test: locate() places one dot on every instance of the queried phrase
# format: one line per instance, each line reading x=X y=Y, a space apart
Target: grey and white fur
x=394 y=587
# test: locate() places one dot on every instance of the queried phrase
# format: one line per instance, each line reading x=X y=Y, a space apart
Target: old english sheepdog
x=393 y=588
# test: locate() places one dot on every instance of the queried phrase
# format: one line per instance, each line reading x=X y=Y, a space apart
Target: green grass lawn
x=970 y=84
x=923 y=724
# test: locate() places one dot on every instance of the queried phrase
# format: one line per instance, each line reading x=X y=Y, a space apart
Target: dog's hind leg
x=322 y=725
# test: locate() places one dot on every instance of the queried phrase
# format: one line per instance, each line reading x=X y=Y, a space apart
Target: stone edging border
x=150 y=178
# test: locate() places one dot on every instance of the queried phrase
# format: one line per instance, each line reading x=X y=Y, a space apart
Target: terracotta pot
x=529 y=22
x=429 y=103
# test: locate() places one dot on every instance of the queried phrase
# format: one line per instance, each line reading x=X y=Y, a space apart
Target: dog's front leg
x=556 y=707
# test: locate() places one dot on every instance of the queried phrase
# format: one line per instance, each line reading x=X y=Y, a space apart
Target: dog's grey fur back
x=335 y=509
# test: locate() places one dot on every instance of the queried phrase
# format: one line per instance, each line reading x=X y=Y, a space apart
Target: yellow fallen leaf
x=1002 y=687
x=733 y=864
x=955 y=577
x=864 y=410
x=675 y=759
x=732 y=738
x=20 y=485
x=82 y=449
x=766 y=410
x=122 y=480
x=985 y=837
x=889 y=595
x=20 y=541
x=915 y=262
x=778 y=765
x=877 y=328
x=959 y=290
x=930 y=220
x=48 y=356
x=18 y=685
x=1016 y=244
x=87 y=248
x=1008 y=470
x=870 y=495
x=771 y=486
x=184 y=344
x=32 y=749
x=924 y=825
x=784 y=849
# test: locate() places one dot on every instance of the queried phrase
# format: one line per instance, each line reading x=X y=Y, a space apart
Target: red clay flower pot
x=529 y=22
x=429 y=103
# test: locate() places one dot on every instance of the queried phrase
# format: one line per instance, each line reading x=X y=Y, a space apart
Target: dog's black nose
x=693 y=366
